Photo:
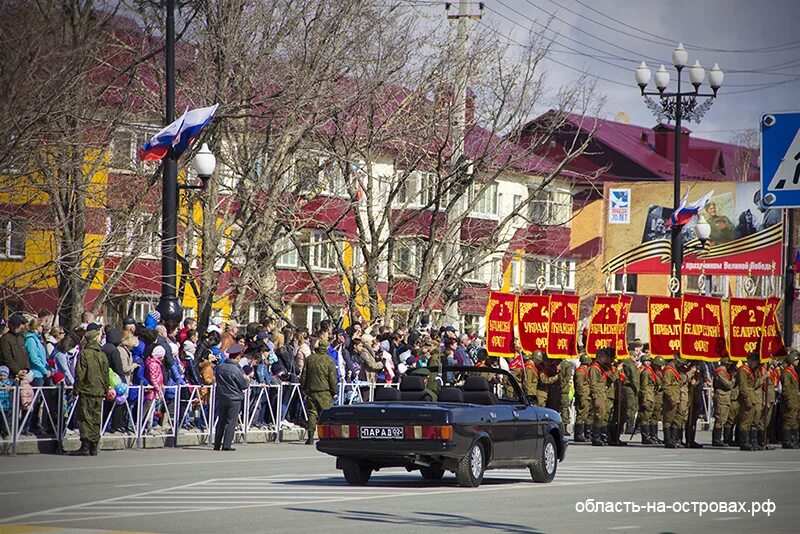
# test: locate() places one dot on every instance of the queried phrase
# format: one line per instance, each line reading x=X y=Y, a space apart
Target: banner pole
x=788 y=278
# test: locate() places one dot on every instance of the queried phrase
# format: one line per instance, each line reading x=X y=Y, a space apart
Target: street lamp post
x=168 y=305
x=678 y=106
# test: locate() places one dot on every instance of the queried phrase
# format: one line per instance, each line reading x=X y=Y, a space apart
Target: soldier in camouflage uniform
x=598 y=389
x=318 y=382
x=790 y=402
x=748 y=406
x=630 y=388
x=658 y=409
x=529 y=378
x=583 y=401
x=723 y=384
x=558 y=392
x=729 y=437
x=649 y=382
x=547 y=375
x=671 y=386
x=616 y=416
x=91 y=386
x=767 y=379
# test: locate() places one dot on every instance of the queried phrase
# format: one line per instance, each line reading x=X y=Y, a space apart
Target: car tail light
x=443 y=432
x=328 y=431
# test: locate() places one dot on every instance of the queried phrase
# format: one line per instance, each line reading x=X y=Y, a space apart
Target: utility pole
x=458 y=163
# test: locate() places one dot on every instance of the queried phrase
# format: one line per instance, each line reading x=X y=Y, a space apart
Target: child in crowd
x=6 y=389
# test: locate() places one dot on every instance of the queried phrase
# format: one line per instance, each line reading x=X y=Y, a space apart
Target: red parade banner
x=604 y=325
x=562 y=339
x=702 y=329
x=664 y=314
x=772 y=342
x=533 y=320
x=500 y=311
x=624 y=310
x=745 y=326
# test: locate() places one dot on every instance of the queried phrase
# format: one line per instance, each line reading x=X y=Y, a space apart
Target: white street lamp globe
x=642 y=75
x=204 y=162
x=680 y=56
x=702 y=229
x=662 y=78
x=697 y=74
x=715 y=77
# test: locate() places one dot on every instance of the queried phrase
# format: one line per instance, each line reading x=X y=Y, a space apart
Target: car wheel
x=432 y=473
x=471 y=467
x=355 y=472
x=544 y=470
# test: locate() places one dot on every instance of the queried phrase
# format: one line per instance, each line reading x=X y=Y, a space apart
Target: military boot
x=677 y=435
x=310 y=438
x=744 y=440
x=93 y=446
x=646 y=439
x=796 y=438
x=597 y=437
x=654 y=434
x=604 y=434
x=587 y=433
x=629 y=425
x=763 y=441
x=753 y=437
x=669 y=437
x=787 y=441
x=716 y=438
x=85 y=449
x=579 y=433
x=727 y=436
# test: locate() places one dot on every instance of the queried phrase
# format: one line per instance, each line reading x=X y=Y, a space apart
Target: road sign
x=780 y=160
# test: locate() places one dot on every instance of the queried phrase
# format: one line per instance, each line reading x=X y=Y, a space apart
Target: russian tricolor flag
x=178 y=135
x=797 y=263
x=684 y=213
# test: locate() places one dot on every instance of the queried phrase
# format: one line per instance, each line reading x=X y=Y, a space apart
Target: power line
x=774 y=48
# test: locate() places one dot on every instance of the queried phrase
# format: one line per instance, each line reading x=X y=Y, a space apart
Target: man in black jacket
x=231 y=384
x=111 y=350
x=12 y=346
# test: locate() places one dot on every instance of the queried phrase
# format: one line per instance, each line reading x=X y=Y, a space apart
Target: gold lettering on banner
x=701 y=330
x=604 y=329
x=535 y=328
x=666 y=329
x=562 y=328
x=500 y=326
x=746 y=331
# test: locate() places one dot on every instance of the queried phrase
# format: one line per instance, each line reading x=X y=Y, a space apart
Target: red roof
x=630 y=150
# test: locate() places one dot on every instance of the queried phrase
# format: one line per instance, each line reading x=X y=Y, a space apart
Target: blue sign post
x=780 y=188
x=780 y=160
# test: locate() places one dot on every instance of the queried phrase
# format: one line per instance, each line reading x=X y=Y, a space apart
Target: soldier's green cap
x=754 y=356
x=421 y=371
x=645 y=357
x=725 y=360
x=791 y=357
x=658 y=360
x=538 y=355
x=585 y=359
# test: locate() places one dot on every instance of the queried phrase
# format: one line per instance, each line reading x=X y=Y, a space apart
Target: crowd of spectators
x=153 y=356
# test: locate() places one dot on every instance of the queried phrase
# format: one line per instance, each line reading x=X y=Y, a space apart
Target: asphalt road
x=293 y=488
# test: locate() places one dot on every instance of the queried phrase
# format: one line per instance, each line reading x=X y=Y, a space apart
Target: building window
x=321 y=251
x=418 y=188
x=141 y=307
x=286 y=253
x=550 y=207
x=558 y=274
x=405 y=258
x=315 y=173
x=486 y=201
x=630 y=286
x=135 y=233
x=714 y=284
x=123 y=149
x=12 y=238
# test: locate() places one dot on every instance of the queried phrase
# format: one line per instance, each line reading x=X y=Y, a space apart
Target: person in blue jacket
x=38 y=359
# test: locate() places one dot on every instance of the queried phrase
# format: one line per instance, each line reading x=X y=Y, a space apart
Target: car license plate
x=381 y=432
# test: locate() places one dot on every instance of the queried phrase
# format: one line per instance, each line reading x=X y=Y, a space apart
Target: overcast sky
x=741 y=35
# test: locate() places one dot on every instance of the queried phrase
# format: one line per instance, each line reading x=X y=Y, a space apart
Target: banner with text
x=562 y=334
x=772 y=342
x=745 y=325
x=604 y=325
x=702 y=328
x=664 y=314
x=625 y=302
x=500 y=311
x=533 y=319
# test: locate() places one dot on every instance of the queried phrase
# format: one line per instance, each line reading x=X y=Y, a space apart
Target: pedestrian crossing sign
x=780 y=160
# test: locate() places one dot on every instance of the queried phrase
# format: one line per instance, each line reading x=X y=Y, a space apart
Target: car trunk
x=389 y=413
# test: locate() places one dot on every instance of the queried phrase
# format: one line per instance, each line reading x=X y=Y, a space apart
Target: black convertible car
x=481 y=420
